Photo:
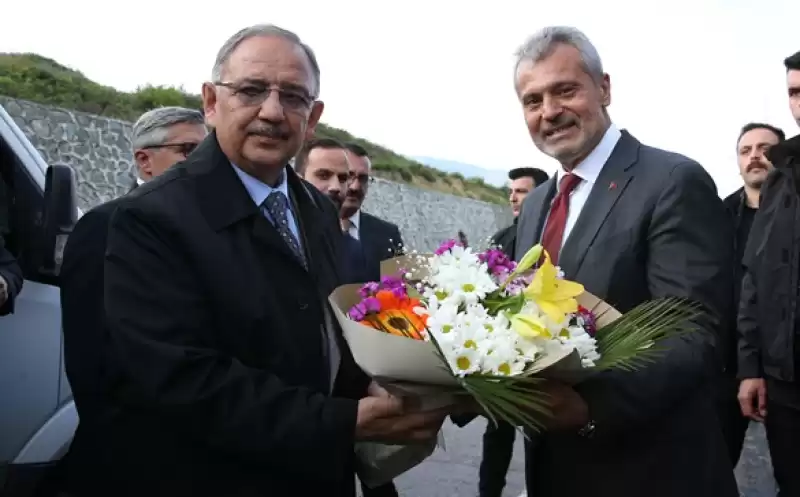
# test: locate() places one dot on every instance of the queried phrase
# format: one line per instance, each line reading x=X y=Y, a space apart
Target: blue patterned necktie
x=277 y=204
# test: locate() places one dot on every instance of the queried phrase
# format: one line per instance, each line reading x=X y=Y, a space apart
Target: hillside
x=39 y=79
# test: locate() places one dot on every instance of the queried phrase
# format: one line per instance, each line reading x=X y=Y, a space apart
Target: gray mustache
x=270 y=133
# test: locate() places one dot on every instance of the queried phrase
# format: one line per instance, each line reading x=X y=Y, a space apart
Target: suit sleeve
x=158 y=318
x=689 y=255
x=749 y=345
x=81 y=282
x=12 y=274
x=749 y=353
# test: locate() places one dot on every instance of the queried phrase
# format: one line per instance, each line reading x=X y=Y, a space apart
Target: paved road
x=454 y=471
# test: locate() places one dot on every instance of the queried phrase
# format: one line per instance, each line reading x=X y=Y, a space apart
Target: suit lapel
x=529 y=229
x=312 y=233
x=609 y=187
x=543 y=208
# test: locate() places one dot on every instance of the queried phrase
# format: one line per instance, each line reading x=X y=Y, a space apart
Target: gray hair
x=264 y=30
x=542 y=44
x=152 y=128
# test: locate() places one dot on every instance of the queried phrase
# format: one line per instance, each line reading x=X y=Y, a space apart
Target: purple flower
x=518 y=284
x=400 y=292
x=446 y=246
x=372 y=305
x=369 y=289
x=369 y=305
x=391 y=282
x=498 y=263
x=358 y=312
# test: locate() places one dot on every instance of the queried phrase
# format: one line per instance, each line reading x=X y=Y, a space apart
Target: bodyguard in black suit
x=229 y=376
x=81 y=283
x=631 y=223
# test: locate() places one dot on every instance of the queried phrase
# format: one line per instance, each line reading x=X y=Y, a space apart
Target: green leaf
x=631 y=342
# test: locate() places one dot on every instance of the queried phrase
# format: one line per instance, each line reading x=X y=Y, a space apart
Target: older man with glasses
x=163 y=136
x=230 y=376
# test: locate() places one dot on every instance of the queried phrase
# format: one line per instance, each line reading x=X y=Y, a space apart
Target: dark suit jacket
x=653 y=226
x=506 y=239
x=11 y=272
x=217 y=382
x=381 y=240
x=85 y=340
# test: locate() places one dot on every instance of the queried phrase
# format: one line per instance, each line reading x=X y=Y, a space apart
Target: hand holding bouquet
x=482 y=325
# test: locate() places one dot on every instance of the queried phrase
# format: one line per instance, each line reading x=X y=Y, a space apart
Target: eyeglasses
x=254 y=94
x=183 y=148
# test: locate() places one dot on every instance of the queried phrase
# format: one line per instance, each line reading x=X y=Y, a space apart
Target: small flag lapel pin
x=612 y=186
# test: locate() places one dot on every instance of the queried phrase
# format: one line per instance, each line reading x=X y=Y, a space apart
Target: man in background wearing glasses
x=376 y=238
x=162 y=137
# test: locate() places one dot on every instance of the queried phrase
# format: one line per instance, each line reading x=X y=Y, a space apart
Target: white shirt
x=355 y=223
x=587 y=170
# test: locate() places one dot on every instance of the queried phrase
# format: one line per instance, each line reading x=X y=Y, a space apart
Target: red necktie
x=557 y=220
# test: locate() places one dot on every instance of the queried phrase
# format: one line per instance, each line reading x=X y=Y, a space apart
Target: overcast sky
x=434 y=78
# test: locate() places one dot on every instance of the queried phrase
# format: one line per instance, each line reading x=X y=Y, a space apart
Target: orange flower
x=397 y=316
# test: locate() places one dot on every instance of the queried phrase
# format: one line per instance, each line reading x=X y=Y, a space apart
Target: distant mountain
x=497 y=177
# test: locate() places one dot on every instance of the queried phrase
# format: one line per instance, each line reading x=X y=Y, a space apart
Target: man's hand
x=382 y=418
x=753 y=398
x=568 y=409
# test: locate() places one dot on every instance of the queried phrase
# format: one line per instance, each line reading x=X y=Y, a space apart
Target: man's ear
x=605 y=88
x=143 y=164
x=209 y=94
x=313 y=119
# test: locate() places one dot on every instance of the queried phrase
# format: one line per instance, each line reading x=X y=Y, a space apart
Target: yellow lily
x=529 y=326
x=555 y=297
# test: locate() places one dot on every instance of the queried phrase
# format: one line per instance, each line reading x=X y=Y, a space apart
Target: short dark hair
x=751 y=126
x=357 y=149
x=301 y=160
x=537 y=175
x=792 y=62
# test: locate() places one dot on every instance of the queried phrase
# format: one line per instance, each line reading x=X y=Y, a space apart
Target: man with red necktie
x=631 y=223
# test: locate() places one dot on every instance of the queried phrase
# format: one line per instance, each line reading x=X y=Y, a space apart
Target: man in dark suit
x=81 y=283
x=229 y=375
x=377 y=240
x=631 y=223
x=498 y=440
x=10 y=279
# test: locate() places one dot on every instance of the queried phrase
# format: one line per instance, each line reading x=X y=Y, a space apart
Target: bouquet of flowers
x=483 y=325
